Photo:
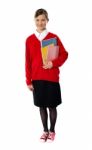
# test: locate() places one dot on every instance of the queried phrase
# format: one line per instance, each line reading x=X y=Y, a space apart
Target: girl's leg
x=53 y=117
x=44 y=118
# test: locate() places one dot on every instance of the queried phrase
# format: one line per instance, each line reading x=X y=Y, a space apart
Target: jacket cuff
x=28 y=82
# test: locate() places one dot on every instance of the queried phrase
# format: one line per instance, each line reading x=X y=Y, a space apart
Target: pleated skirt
x=46 y=93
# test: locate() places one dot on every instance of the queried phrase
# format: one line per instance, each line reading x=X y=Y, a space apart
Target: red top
x=34 y=63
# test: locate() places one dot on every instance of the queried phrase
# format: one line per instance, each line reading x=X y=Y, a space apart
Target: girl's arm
x=27 y=63
x=63 y=55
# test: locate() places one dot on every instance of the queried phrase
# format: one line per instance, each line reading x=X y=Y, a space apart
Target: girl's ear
x=47 y=21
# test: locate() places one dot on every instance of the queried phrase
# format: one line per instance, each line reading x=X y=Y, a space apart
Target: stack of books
x=49 y=49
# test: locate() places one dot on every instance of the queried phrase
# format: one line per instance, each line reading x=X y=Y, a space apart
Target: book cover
x=49 y=53
x=49 y=41
x=52 y=52
x=49 y=49
x=44 y=52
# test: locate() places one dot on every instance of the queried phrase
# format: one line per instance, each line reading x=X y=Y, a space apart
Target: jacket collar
x=41 y=35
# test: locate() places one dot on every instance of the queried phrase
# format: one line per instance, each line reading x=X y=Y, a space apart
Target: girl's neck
x=40 y=31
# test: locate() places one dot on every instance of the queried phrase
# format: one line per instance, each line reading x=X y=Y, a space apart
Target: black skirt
x=46 y=93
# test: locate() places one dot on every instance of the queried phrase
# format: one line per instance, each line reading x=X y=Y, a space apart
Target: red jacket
x=33 y=60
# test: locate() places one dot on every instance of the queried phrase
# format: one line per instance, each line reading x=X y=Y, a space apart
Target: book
x=49 y=42
x=52 y=52
x=49 y=53
x=49 y=49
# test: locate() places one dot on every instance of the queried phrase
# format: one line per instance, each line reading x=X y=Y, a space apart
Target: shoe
x=44 y=137
x=51 y=137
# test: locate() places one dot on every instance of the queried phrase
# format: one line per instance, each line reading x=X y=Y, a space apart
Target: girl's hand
x=48 y=65
x=31 y=87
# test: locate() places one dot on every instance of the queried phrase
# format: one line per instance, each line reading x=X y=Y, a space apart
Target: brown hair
x=41 y=12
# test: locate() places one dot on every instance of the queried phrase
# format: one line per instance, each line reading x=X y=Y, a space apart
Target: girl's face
x=41 y=22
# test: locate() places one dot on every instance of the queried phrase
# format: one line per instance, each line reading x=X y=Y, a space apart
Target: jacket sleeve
x=27 y=63
x=63 y=55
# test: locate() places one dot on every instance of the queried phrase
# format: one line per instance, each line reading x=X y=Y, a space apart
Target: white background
x=20 y=124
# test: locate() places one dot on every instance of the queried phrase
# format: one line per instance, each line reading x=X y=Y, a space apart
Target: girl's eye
x=40 y=20
x=43 y=19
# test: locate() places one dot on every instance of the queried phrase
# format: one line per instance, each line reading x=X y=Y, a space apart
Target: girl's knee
x=42 y=108
x=52 y=108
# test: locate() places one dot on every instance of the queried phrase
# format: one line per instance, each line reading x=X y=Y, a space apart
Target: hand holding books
x=48 y=65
